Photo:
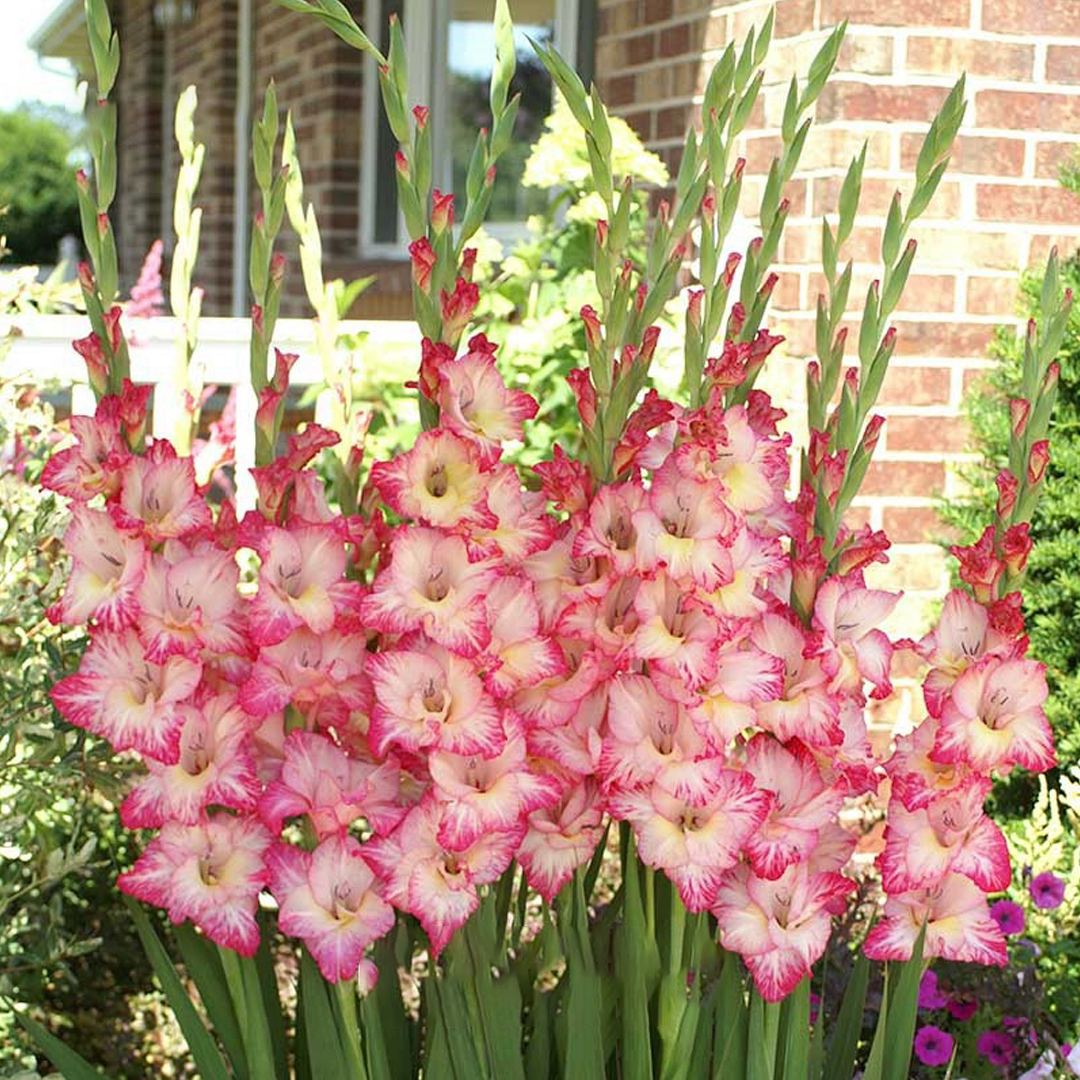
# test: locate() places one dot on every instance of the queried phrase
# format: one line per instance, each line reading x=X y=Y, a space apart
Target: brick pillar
x=320 y=79
x=137 y=212
x=204 y=53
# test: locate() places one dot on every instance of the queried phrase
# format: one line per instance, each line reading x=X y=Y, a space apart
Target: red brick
x=938 y=434
x=1063 y=63
x=915 y=386
x=931 y=55
x=619 y=90
x=675 y=40
x=1039 y=251
x=671 y=123
x=914 y=524
x=876 y=196
x=983 y=155
x=785 y=295
x=1020 y=109
x=802 y=244
x=897 y=12
x=923 y=294
x=640 y=49
x=900 y=477
x=656 y=10
x=641 y=122
x=1051 y=156
x=991 y=295
x=793 y=17
x=872 y=101
x=1013 y=202
x=1058 y=18
x=866 y=54
x=927 y=338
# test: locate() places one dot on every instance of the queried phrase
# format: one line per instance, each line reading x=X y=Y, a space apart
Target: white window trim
x=427 y=84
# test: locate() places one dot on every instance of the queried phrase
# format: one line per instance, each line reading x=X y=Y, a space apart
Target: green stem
x=234 y=978
x=346 y=996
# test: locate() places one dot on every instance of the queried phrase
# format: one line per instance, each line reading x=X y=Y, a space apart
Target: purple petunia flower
x=962 y=1009
x=930 y=995
x=1008 y=916
x=1047 y=890
x=933 y=1046
x=996 y=1046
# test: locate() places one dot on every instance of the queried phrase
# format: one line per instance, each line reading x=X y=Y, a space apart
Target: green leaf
x=761 y=1056
x=796 y=1034
x=730 y=1047
x=200 y=960
x=207 y=1056
x=321 y=1037
x=900 y=1033
x=875 y=1062
x=840 y=1061
x=72 y=1066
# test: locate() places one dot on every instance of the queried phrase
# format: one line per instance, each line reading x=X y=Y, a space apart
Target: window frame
x=426 y=40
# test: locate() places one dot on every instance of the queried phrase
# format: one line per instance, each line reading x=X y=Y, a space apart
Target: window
x=450 y=50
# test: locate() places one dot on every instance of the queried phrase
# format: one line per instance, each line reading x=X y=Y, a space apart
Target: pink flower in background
x=930 y=995
x=1047 y=890
x=933 y=1046
x=998 y=1047
x=1008 y=916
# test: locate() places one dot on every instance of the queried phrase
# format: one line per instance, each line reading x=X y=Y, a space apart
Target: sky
x=22 y=78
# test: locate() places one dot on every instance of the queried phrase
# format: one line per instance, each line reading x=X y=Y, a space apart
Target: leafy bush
x=526 y=297
x=36 y=186
x=1052 y=590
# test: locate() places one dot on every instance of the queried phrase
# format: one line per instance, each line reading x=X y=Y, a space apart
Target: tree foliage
x=36 y=188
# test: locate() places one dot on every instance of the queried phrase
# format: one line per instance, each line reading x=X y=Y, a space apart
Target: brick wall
x=137 y=217
x=204 y=53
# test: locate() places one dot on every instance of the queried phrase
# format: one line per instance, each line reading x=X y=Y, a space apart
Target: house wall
x=137 y=221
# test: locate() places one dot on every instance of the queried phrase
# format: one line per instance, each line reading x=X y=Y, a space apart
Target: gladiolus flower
x=780 y=927
x=423 y=262
x=437 y=885
x=993 y=718
x=958 y=925
x=159 y=497
x=319 y=780
x=431 y=585
x=211 y=873
x=108 y=567
x=329 y=898
x=214 y=768
x=979 y=565
x=93 y=466
x=121 y=696
x=476 y=404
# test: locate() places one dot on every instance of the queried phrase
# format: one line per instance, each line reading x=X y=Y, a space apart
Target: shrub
x=1052 y=592
x=35 y=186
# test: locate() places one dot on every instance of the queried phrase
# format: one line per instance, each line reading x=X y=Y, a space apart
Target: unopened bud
x=1019 y=412
x=442 y=211
x=693 y=307
x=277 y=267
x=401 y=164
x=1038 y=460
x=592 y=325
x=421 y=113
x=871 y=434
x=601 y=233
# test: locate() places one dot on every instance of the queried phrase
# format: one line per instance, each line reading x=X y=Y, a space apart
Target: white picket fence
x=41 y=351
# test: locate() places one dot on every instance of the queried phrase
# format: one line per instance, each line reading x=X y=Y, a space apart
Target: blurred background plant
x=67 y=948
x=528 y=299
x=37 y=148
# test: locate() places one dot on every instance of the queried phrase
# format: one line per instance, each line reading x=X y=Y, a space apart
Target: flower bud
x=736 y=319
x=693 y=307
x=1016 y=546
x=648 y=344
x=1038 y=460
x=423 y=262
x=871 y=434
x=112 y=327
x=97 y=372
x=442 y=211
x=1019 y=412
x=592 y=326
x=585 y=394
x=730 y=267
x=457 y=308
x=277 y=268
x=420 y=114
x=401 y=164
x=601 y=233
x=1007 y=486
x=468 y=263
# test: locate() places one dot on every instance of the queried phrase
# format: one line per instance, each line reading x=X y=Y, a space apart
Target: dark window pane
x=470 y=53
x=386 y=199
